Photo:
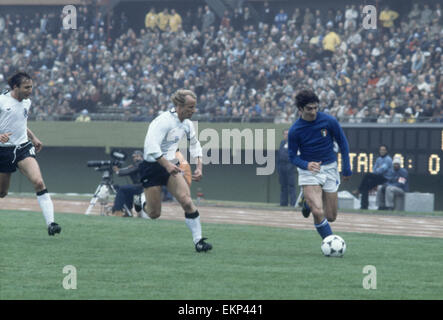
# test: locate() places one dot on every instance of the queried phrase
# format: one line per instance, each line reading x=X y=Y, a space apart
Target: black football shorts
x=153 y=174
x=10 y=156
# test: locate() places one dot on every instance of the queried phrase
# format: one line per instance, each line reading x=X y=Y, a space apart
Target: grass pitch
x=118 y=258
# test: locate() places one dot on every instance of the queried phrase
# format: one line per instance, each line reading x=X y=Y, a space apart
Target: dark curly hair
x=305 y=97
x=17 y=79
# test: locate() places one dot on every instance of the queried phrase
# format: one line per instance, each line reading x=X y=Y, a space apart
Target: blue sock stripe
x=321 y=223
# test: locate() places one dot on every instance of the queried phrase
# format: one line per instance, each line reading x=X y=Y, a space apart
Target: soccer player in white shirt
x=161 y=168
x=18 y=145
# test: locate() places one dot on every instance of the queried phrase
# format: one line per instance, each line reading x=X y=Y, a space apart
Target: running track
x=346 y=222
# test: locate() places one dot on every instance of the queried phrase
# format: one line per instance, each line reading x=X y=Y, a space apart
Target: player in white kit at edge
x=18 y=145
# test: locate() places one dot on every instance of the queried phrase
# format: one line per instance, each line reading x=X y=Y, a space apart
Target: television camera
x=106 y=186
x=118 y=159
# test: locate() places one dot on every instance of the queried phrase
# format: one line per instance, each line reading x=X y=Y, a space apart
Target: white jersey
x=164 y=135
x=14 y=118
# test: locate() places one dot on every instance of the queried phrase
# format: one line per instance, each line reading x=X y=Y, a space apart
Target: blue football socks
x=323 y=228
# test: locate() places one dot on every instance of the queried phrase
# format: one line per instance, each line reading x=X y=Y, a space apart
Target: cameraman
x=125 y=194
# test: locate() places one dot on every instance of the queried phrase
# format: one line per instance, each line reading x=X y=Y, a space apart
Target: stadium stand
x=245 y=64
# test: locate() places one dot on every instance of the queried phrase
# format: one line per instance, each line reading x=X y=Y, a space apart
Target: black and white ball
x=333 y=246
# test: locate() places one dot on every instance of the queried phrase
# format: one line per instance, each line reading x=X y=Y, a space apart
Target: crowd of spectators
x=244 y=67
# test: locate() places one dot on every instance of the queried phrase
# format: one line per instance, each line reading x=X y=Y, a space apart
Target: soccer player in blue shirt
x=311 y=149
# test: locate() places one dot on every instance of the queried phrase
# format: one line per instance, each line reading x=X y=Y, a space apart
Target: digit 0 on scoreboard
x=420 y=147
x=434 y=164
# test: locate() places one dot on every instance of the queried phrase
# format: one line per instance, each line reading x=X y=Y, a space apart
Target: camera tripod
x=103 y=190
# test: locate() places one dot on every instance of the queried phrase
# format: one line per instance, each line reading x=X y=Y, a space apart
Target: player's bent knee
x=317 y=211
x=331 y=215
x=154 y=214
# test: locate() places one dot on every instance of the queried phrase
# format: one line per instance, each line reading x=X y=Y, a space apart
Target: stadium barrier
x=415 y=201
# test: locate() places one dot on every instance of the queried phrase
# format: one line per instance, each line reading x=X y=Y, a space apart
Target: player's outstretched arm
x=293 y=151
x=340 y=137
x=35 y=141
x=196 y=152
x=198 y=173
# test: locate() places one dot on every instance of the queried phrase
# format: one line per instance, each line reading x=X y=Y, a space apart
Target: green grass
x=119 y=258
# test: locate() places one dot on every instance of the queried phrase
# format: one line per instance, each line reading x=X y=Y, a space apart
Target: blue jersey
x=383 y=166
x=314 y=140
x=399 y=178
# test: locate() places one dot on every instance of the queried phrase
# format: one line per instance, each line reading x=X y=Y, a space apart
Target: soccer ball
x=333 y=246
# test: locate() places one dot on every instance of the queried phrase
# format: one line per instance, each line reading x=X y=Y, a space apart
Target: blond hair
x=179 y=97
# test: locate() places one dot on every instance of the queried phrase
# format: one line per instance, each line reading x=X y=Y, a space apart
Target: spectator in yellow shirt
x=83 y=117
x=175 y=21
x=151 y=20
x=387 y=18
x=163 y=20
x=331 y=41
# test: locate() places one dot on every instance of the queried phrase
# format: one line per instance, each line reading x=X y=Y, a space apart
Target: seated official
x=379 y=175
x=398 y=184
x=124 y=198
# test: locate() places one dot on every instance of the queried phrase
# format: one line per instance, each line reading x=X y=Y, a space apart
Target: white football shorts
x=328 y=177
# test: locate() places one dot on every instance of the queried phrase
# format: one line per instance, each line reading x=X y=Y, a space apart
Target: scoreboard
x=419 y=147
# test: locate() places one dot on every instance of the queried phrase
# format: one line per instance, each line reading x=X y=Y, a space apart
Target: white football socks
x=192 y=220
x=45 y=202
